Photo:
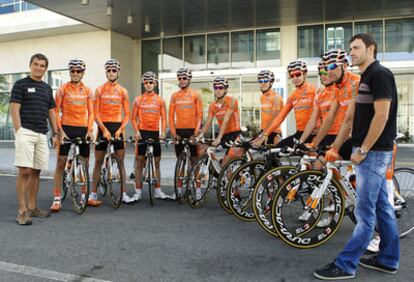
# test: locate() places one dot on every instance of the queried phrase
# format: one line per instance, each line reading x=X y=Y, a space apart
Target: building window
x=399 y=39
x=195 y=52
x=11 y=6
x=338 y=36
x=375 y=28
x=242 y=49
x=218 y=51
x=172 y=55
x=268 y=47
x=150 y=55
x=310 y=41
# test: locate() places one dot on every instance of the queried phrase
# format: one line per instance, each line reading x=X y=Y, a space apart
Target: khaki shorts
x=31 y=149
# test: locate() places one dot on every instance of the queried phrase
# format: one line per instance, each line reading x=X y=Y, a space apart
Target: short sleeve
x=17 y=93
x=382 y=85
x=52 y=103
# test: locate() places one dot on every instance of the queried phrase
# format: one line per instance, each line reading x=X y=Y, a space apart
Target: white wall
x=92 y=47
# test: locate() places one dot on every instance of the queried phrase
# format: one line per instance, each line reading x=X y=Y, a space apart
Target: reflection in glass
x=310 y=41
x=338 y=36
x=399 y=39
x=242 y=49
x=172 y=54
x=218 y=51
x=195 y=52
x=268 y=47
x=150 y=55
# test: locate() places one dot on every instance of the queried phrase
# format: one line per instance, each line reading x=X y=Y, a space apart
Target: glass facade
x=151 y=52
x=310 y=41
x=12 y=6
x=172 y=55
x=242 y=49
x=195 y=52
x=338 y=35
x=218 y=55
x=399 y=39
x=268 y=47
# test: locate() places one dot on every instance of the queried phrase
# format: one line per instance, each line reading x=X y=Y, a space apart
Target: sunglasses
x=112 y=70
x=295 y=75
x=76 y=71
x=182 y=78
x=323 y=72
x=263 y=80
x=218 y=87
x=148 y=82
x=332 y=66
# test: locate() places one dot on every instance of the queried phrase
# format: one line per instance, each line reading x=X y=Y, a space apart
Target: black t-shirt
x=36 y=98
x=377 y=82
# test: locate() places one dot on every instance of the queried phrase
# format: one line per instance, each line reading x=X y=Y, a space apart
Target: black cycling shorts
x=229 y=137
x=147 y=134
x=345 y=151
x=185 y=133
x=74 y=132
x=112 y=127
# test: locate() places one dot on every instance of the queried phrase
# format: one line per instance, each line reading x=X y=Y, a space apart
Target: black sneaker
x=372 y=263
x=332 y=272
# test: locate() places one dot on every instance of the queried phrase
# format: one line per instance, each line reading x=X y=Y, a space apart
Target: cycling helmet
x=297 y=66
x=149 y=76
x=221 y=80
x=266 y=74
x=184 y=72
x=77 y=64
x=321 y=64
x=337 y=56
x=113 y=64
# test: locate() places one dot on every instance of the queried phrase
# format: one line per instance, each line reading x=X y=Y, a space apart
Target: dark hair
x=40 y=57
x=368 y=40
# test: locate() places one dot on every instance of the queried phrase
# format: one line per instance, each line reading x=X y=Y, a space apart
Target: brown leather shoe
x=39 y=213
x=24 y=218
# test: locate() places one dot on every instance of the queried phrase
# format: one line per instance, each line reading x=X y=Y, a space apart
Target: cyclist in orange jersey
x=301 y=100
x=74 y=101
x=147 y=112
x=346 y=86
x=111 y=99
x=186 y=112
x=226 y=111
x=271 y=104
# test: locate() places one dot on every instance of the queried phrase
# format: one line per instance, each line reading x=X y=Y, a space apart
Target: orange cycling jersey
x=347 y=89
x=271 y=104
x=301 y=100
x=323 y=101
x=110 y=100
x=75 y=102
x=219 y=110
x=147 y=111
x=186 y=110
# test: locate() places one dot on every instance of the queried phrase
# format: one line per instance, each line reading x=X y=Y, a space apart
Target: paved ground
x=168 y=242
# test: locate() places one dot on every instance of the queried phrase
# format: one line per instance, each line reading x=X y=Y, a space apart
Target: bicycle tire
x=240 y=189
x=180 y=174
x=201 y=174
x=263 y=193
x=65 y=186
x=306 y=234
x=115 y=192
x=80 y=198
x=224 y=178
x=404 y=182
x=150 y=171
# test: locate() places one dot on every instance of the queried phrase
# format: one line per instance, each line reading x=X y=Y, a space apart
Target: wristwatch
x=361 y=151
x=55 y=134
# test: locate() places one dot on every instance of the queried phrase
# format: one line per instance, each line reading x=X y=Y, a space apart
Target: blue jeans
x=372 y=208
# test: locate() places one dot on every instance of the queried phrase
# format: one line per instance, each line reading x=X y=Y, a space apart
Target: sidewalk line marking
x=44 y=273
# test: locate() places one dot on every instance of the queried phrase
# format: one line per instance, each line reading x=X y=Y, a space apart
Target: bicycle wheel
x=263 y=192
x=223 y=179
x=102 y=186
x=295 y=223
x=151 y=183
x=199 y=182
x=240 y=188
x=65 y=184
x=181 y=178
x=404 y=199
x=80 y=185
x=116 y=181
